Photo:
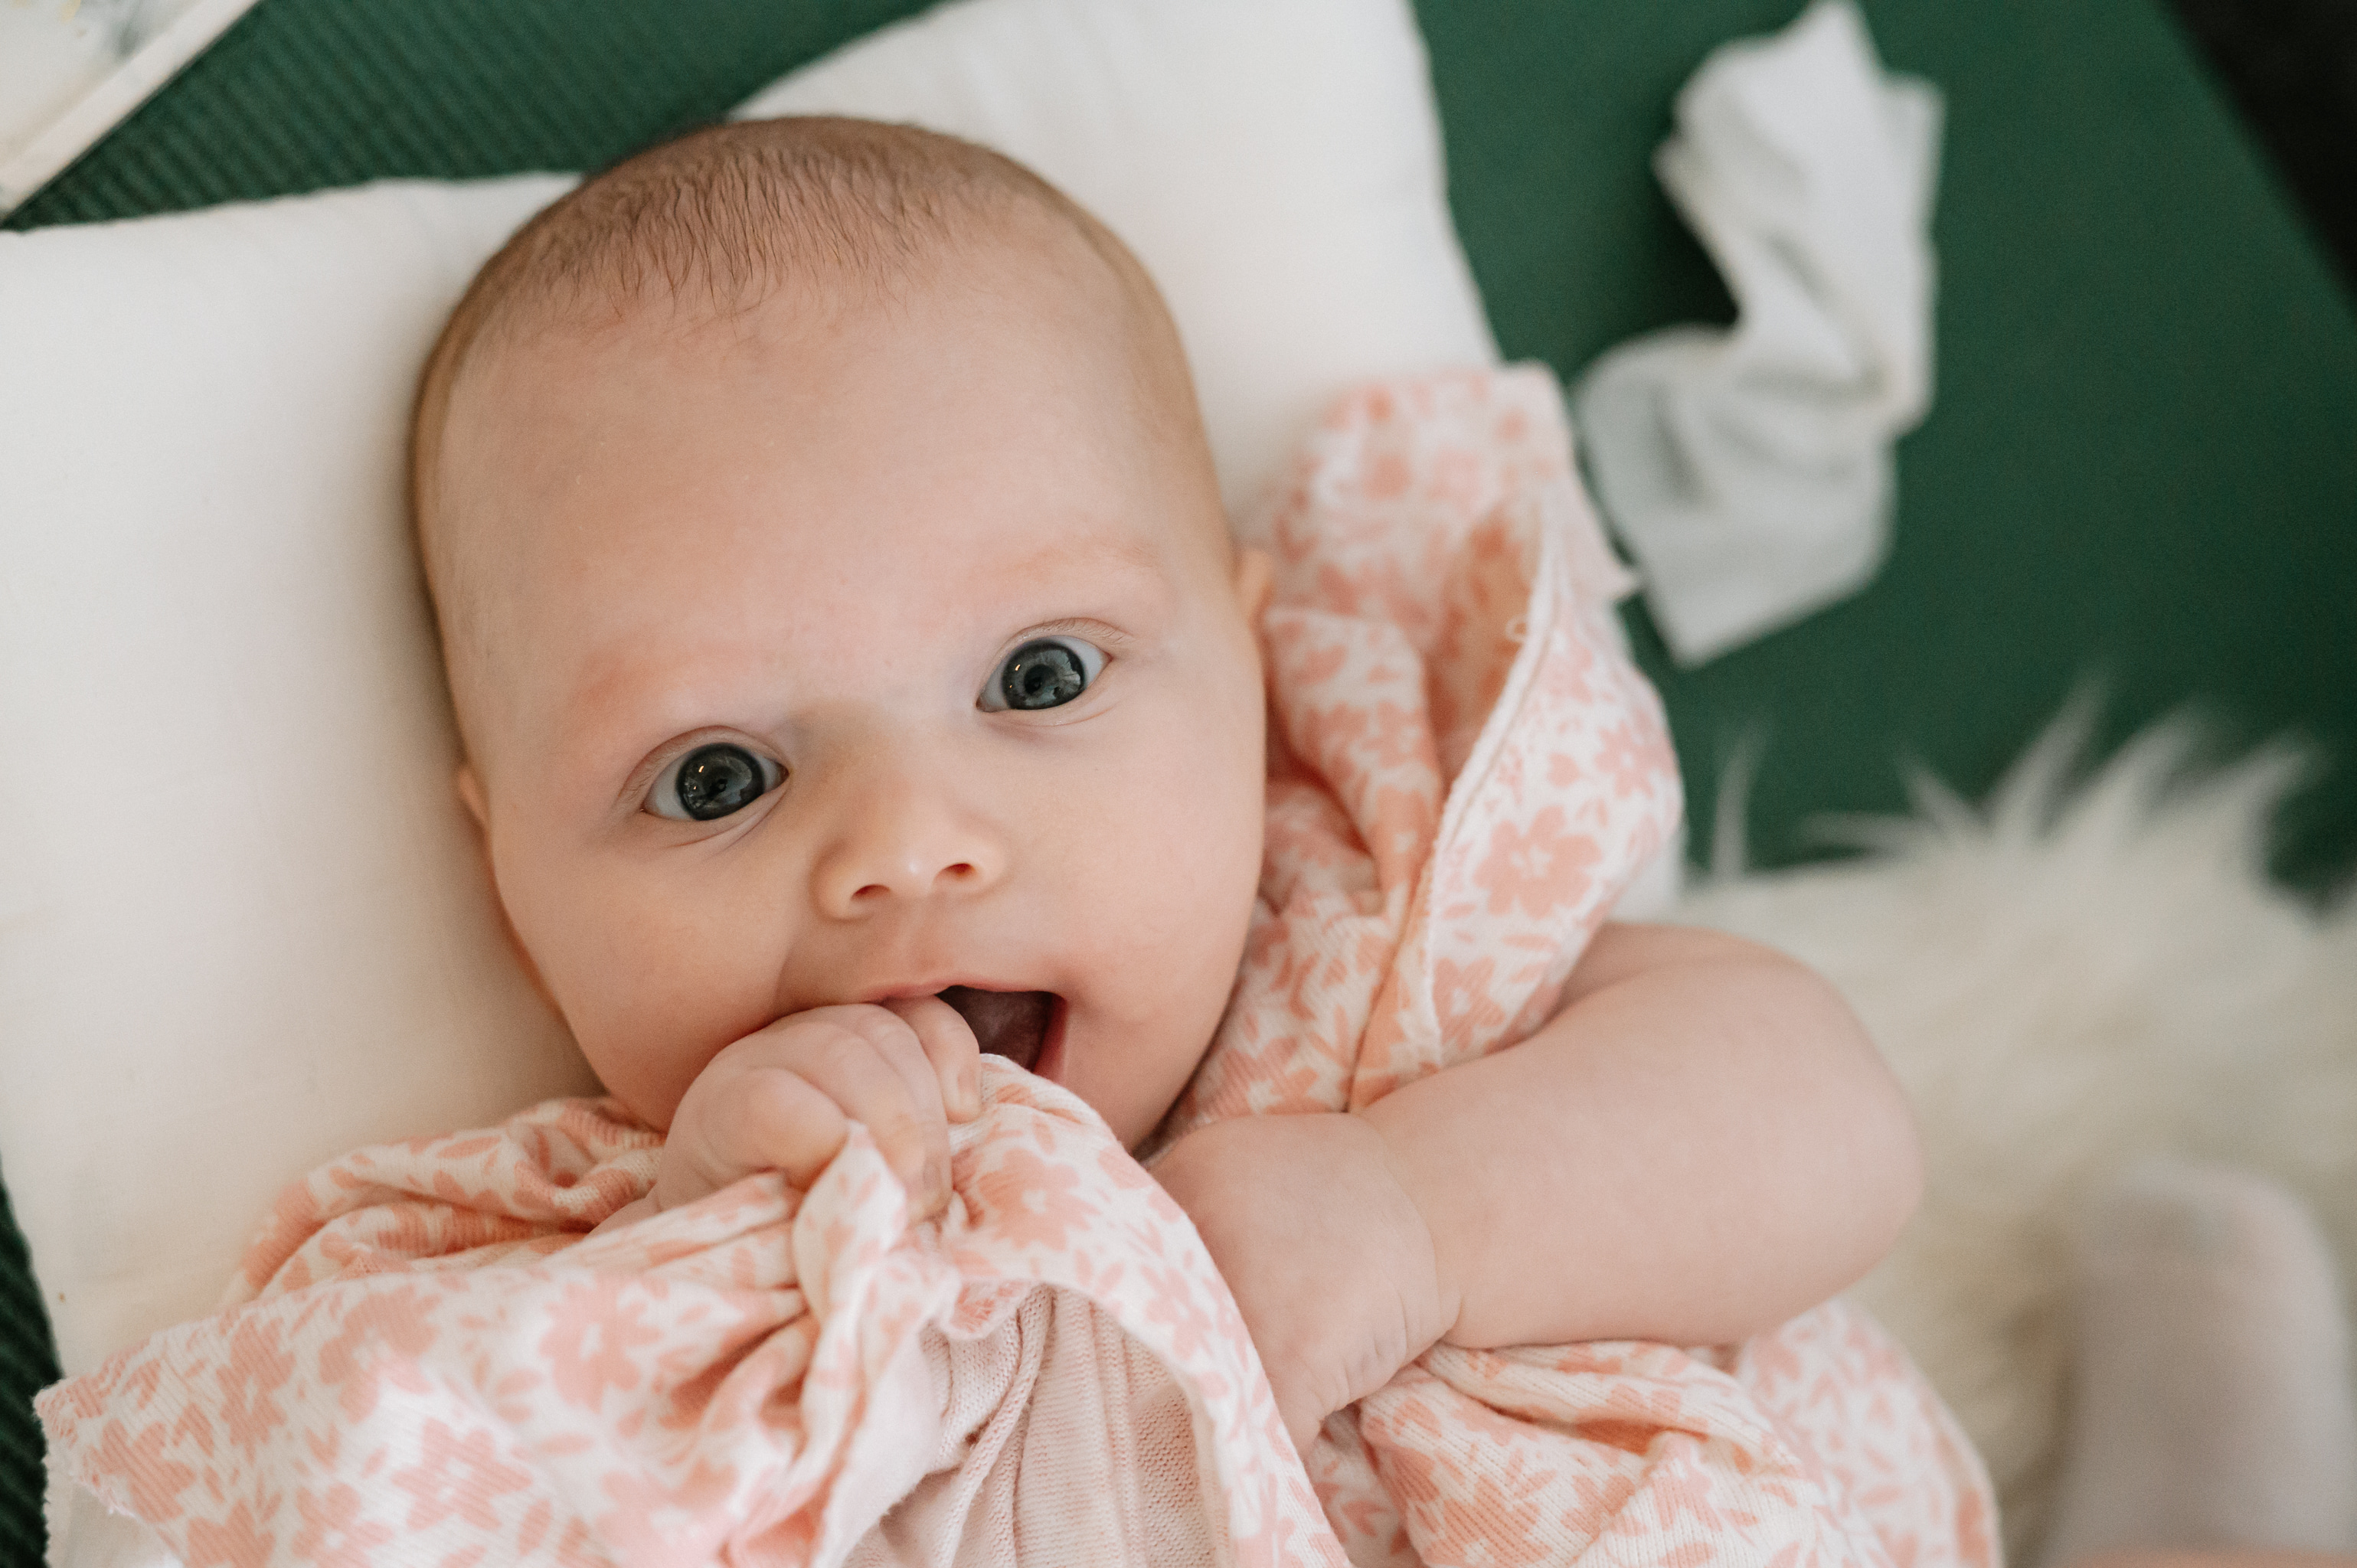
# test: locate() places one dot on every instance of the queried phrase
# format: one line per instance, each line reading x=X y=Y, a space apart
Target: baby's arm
x=1699 y=1144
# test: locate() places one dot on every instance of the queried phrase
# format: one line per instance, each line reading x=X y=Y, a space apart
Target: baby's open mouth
x=1011 y=1024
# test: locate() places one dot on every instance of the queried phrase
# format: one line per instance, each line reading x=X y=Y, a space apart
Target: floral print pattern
x=1465 y=770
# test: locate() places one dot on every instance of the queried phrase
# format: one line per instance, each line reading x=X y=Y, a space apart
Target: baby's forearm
x=1701 y=1144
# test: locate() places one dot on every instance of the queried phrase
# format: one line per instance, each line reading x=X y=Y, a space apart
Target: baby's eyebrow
x=618 y=682
x=1110 y=552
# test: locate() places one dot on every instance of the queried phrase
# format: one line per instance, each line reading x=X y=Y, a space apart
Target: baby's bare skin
x=817 y=532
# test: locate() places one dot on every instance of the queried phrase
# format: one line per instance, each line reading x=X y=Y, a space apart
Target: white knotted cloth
x=1748 y=469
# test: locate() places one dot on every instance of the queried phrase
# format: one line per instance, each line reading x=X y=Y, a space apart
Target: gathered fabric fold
x=426 y=1358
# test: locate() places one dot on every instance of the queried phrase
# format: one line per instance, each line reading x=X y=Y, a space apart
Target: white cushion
x=241 y=924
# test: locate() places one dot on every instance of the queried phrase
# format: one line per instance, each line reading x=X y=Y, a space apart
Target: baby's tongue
x=1010 y=1024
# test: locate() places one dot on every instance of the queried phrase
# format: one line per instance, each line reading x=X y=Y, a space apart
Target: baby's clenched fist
x=1330 y=1259
x=783 y=1098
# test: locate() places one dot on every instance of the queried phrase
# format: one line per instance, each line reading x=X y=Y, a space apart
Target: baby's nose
x=901 y=837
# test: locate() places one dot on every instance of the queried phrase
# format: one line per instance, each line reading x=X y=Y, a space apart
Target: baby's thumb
x=948 y=1042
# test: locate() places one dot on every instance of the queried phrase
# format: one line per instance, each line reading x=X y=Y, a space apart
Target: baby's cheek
x=1188 y=858
x=651 y=997
x=1190 y=878
x=1218 y=822
x=665 y=1036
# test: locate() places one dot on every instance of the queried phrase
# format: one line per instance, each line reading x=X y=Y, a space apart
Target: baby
x=857 y=674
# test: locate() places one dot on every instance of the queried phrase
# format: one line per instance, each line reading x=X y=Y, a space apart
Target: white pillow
x=242 y=926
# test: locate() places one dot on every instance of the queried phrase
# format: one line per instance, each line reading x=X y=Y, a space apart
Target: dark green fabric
x=2142 y=465
x=302 y=94
x=28 y=1360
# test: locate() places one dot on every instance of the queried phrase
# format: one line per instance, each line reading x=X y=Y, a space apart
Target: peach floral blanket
x=425 y=1362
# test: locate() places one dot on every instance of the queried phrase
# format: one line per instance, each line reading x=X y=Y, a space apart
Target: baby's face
x=862 y=656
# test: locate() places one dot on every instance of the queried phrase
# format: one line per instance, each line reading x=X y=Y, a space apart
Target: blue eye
x=712 y=781
x=1046 y=672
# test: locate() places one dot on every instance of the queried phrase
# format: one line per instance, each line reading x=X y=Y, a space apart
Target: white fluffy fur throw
x=2066 y=979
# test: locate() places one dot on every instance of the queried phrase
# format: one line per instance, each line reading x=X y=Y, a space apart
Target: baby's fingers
x=949 y=1046
x=1303 y=1421
x=869 y=1061
x=767 y=1119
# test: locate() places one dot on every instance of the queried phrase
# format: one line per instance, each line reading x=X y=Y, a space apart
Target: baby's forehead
x=782 y=393
x=604 y=319
x=646 y=334
x=588 y=377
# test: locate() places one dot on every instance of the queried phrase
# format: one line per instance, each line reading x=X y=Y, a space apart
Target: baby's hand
x=783 y=1098
x=1327 y=1255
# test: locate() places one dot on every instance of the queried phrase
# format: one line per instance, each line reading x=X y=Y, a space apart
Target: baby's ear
x=470 y=795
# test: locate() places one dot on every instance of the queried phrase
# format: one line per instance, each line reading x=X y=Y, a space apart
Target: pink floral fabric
x=1466 y=772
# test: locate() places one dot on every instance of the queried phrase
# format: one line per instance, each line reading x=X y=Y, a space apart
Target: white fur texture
x=2208 y=1397
x=2069 y=979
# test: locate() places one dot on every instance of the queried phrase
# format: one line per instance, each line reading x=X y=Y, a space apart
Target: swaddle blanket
x=425 y=1362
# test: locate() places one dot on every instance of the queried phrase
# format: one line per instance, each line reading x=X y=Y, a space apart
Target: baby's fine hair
x=717 y=219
